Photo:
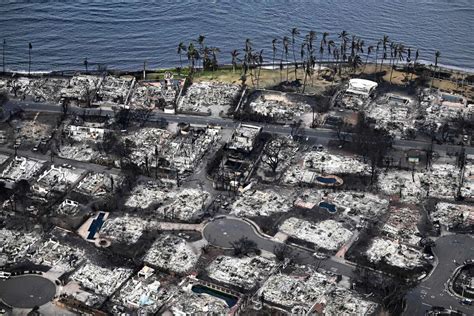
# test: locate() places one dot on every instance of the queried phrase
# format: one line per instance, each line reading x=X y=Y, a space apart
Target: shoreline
x=441 y=67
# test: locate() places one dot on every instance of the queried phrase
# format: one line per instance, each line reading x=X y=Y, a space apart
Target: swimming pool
x=326 y=180
x=229 y=299
x=331 y=208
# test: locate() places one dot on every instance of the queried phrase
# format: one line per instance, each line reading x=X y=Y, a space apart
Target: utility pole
x=4 y=44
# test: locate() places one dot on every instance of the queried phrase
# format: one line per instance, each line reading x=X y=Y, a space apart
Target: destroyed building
x=244 y=272
x=171 y=253
x=56 y=179
x=279 y=106
x=81 y=90
x=101 y=280
x=261 y=203
x=144 y=292
x=21 y=168
x=395 y=254
x=307 y=292
x=16 y=244
x=329 y=234
x=115 y=90
x=401 y=225
x=210 y=98
x=99 y=184
x=453 y=216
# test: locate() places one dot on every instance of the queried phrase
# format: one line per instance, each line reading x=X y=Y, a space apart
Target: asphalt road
x=319 y=134
x=27 y=291
x=432 y=291
x=222 y=232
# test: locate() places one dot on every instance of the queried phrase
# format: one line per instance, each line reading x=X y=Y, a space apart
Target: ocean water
x=124 y=34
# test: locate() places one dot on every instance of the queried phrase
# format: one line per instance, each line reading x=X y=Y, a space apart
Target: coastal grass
x=320 y=81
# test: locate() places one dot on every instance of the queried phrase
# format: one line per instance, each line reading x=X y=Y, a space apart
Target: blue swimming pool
x=331 y=208
x=326 y=180
x=229 y=299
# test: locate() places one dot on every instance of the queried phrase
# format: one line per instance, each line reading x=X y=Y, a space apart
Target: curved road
x=222 y=232
x=431 y=292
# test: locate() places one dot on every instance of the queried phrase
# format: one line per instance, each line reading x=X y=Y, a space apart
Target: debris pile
x=261 y=203
x=209 y=97
x=394 y=253
x=98 y=184
x=58 y=256
x=147 y=95
x=299 y=293
x=68 y=208
x=244 y=272
x=16 y=244
x=402 y=225
x=21 y=168
x=56 y=179
x=125 y=229
x=100 y=280
x=115 y=90
x=395 y=113
x=171 y=253
x=244 y=137
x=78 y=151
x=81 y=90
x=184 y=205
x=278 y=105
x=144 y=292
x=147 y=194
x=328 y=234
x=453 y=216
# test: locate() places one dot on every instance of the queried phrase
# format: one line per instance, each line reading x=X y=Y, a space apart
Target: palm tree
x=369 y=51
x=259 y=61
x=343 y=37
x=285 y=50
x=417 y=55
x=437 y=56
x=384 y=43
x=274 y=50
x=192 y=56
x=400 y=51
x=200 y=41
x=330 y=45
x=337 y=56
x=214 y=52
x=294 y=33
x=376 y=58
x=181 y=49
x=308 y=70
x=234 y=55
x=30 y=47
x=356 y=62
x=311 y=39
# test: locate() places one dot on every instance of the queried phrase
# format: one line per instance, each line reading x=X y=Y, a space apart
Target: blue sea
x=124 y=34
